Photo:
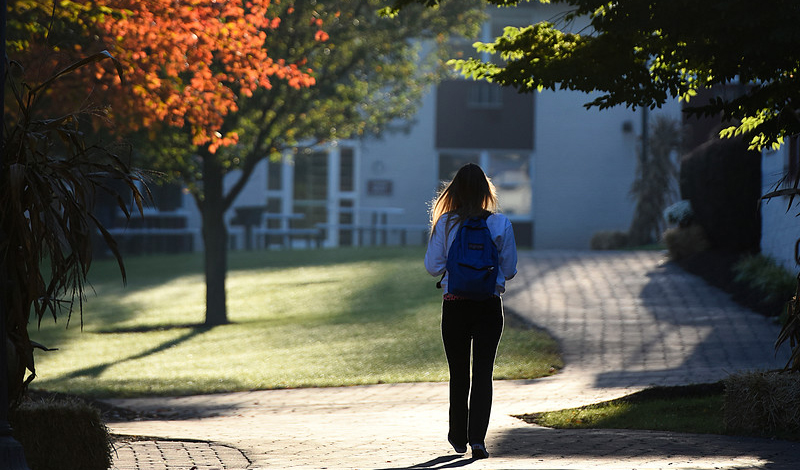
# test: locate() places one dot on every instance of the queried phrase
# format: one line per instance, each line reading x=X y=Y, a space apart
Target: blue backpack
x=473 y=261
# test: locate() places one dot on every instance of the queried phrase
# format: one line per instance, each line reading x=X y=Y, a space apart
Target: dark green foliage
x=722 y=179
x=62 y=435
x=769 y=283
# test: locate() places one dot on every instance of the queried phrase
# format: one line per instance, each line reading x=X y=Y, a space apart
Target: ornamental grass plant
x=62 y=434
x=763 y=403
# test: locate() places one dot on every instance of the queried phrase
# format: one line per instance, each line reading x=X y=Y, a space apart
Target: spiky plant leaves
x=50 y=178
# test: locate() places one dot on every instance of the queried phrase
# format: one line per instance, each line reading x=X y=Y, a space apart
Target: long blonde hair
x=470 y=194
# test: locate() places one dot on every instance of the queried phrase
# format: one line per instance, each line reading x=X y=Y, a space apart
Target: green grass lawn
x=697 y=408
x=301 y=318
x=689 y=414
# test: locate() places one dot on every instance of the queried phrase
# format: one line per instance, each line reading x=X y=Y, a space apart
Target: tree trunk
x=215 y=238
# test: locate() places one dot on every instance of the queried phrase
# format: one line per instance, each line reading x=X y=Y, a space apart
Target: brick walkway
x=625 y=321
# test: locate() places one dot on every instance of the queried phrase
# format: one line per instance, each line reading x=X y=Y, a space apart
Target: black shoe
x=459 y=449
x=479 y=451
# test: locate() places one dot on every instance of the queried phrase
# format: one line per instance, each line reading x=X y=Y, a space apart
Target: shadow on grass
x=153 y=328
x=153 y=270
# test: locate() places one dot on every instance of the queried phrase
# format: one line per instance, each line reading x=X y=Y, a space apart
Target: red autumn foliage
x=186 y=62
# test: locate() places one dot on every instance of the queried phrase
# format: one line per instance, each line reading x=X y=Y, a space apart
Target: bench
x=310 y=235
x=379 y=234
x=154 y=240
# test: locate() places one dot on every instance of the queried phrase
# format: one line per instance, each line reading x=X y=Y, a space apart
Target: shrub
x=62 y=434
x=679 y=214
x=762 y=403
x=771 y=283
x=722 y=179
x=609 y=240
x=682 y=242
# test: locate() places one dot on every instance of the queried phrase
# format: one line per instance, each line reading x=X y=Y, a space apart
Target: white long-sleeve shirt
x=502 y=234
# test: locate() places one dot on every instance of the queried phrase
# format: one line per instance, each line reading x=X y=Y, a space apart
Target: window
x=485 y=95
x=510 y=173
x=346 y=169
x=274 y=174
x=310 y=188
x=450 y=163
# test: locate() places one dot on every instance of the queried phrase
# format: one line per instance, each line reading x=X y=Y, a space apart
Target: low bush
x=770 y=284
x=762 y=403
x=609 y=240
x=679 y=214
x=682 y=242
x=61 y=435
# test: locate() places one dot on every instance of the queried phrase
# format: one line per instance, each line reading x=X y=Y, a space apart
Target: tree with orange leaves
x=217 y=86
x=191 y=63
x=191 y=60
x=338 y=70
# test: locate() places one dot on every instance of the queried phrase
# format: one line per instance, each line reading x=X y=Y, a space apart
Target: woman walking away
x=472 y=247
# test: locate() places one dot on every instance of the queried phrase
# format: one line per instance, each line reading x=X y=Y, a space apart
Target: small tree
x=654 y=186
x=338 y=70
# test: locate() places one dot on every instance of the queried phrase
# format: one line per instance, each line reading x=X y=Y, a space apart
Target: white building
x=562 y=172
x=780 y=225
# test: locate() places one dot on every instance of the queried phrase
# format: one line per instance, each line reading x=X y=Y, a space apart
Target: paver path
x=625 y=321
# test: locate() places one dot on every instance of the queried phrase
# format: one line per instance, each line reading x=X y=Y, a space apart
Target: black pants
x=471 y=328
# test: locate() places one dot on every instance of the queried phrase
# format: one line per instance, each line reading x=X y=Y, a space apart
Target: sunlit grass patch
x=691 y=409
x=297 y=319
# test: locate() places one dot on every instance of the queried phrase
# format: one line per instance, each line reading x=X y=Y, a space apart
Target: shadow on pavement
x=723 y=337
x=556 y=445
x=171 y=413
x=447 y=461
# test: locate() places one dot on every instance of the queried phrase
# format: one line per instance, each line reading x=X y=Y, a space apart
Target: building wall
x=464 y=120
x=407 y=161
x=585 y=163
x=780 y=226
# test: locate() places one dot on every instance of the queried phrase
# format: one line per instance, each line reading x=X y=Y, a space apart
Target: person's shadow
x=447 y=461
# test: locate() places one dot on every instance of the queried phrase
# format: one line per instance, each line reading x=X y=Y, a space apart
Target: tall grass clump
x=763 y=403
x=62 y=434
